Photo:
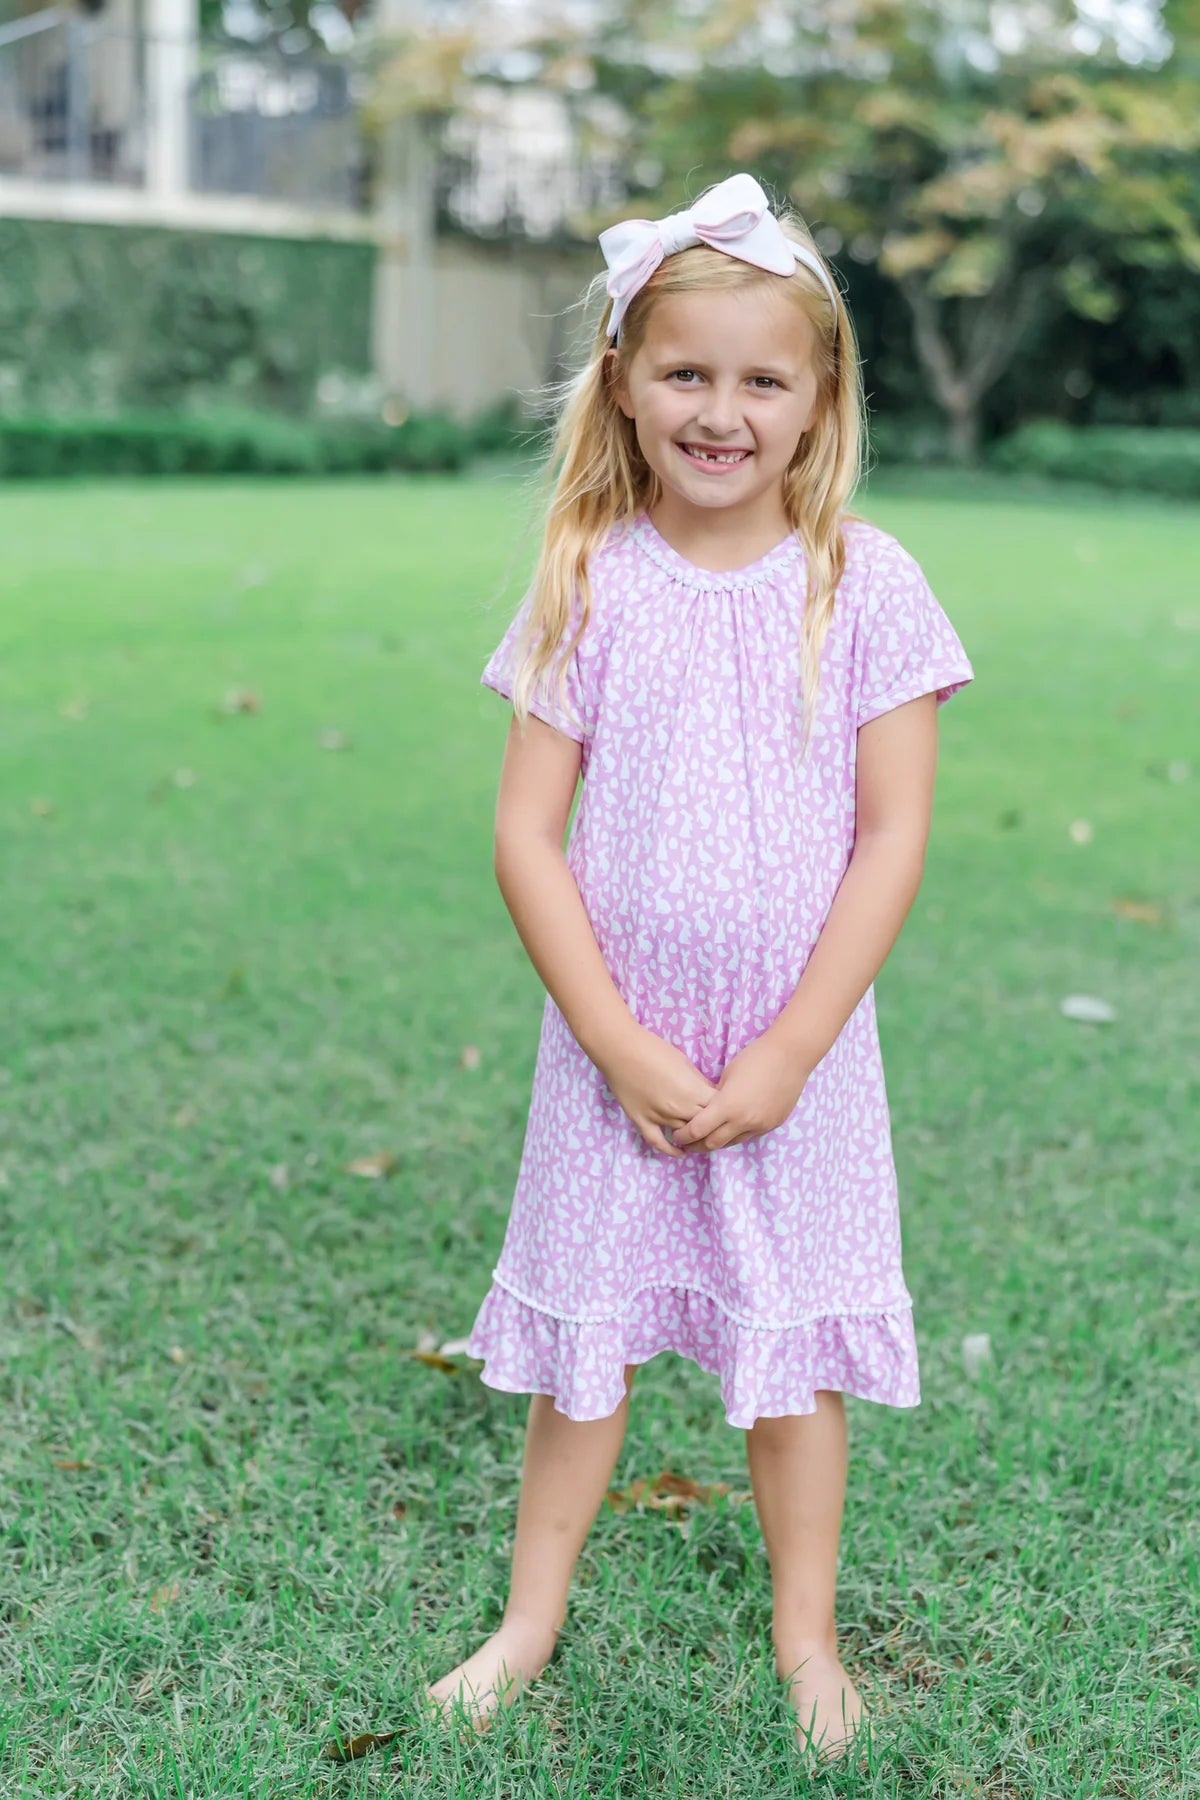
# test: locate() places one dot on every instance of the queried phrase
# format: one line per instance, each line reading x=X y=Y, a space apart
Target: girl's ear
x=614 y=380
x=816 y=414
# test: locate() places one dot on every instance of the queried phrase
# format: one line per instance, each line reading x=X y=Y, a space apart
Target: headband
x=734 y=216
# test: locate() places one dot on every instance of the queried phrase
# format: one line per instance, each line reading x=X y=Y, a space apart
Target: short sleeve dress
x=707 y=859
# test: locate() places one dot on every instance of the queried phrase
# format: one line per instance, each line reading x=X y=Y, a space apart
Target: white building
x=121 y=115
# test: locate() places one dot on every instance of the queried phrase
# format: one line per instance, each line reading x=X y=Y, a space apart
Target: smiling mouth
x=726 y=458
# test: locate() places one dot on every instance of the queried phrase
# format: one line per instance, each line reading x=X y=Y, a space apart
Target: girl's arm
x=897 y=763
x=654 y=1083
x=896 y=768
x=537 y=785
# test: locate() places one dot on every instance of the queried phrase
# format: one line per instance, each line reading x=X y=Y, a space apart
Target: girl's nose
x=719 y=412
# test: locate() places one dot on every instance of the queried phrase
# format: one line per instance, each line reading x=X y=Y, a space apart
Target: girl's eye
x=681 y=374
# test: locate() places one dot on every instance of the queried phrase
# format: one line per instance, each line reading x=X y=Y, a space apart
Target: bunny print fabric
x=707 y=857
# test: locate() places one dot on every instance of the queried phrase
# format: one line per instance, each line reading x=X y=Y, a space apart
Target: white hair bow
x=734 y=216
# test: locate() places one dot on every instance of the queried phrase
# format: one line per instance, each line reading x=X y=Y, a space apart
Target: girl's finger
x=703 y=1124
x=656 y=1139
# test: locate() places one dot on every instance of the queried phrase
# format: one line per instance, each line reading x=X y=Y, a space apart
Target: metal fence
x=75 y=96
x=72 y=100
x=279 y=129
x=522 y=166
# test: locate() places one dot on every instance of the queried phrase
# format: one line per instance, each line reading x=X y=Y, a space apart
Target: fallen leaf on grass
x=241 y=700
x=433 y=1359
x=184 y=778
x=332 y=739
x=42 y=809
x=666 y=1493
x=177 y=1354
x=163 y=1596
x=73 y=1466
x=382 y=1162
x=1080 y=831
x=1087 y=1009
x=278 y=1177
x=1144 y=911
x=976 y=1353
x=348 y=1749
x=470 y=1057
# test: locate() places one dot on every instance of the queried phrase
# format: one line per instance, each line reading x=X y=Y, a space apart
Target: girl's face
x=721 y=392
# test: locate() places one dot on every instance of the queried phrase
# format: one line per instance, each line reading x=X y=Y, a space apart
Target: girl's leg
x=567 y=1470
x=798 y=1473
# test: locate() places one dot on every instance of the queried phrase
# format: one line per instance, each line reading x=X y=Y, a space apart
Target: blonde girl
x=745 y=675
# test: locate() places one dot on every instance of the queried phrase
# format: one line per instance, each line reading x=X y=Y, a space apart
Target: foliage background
x=105 y=318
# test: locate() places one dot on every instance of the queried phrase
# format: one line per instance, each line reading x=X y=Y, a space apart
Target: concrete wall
x=501 y=319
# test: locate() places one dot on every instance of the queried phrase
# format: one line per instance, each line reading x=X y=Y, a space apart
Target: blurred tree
x=989 y=181
x=264 y=20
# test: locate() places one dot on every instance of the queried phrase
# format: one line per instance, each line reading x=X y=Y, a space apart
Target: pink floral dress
x=707 y=861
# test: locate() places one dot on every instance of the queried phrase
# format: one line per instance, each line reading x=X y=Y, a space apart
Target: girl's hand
x=758 y=1089
x=655 y=1085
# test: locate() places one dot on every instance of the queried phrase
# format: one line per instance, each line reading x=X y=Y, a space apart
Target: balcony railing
x=259 y=124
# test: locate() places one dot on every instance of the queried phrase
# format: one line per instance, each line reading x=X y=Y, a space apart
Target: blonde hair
x=598 y=477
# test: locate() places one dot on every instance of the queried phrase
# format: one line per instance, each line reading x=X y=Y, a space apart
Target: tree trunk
x=965 y=426
x=958 y=383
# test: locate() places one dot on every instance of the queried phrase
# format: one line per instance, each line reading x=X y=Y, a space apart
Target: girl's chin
x=708 y=491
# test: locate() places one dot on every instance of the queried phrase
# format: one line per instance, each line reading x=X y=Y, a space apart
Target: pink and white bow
x=734 y=216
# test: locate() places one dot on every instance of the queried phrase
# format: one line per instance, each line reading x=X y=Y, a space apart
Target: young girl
x=746 y=675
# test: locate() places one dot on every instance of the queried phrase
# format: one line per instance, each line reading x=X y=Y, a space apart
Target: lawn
x=251 y=936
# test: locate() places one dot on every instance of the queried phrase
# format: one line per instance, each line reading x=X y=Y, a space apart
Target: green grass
x=217 y=994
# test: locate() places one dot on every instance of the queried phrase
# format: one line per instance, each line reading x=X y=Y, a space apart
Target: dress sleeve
x=905 y=644
x=501 y=668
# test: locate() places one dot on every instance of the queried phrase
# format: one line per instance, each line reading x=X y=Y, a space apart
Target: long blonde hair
x=598 y=477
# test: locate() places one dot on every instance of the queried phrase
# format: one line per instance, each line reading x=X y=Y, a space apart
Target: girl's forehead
x=754 y=322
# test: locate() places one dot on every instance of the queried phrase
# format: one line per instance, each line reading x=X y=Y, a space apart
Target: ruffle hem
x=764 y=1372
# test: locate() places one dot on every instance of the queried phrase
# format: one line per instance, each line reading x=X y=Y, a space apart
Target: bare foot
x=827 y=1703
x=496 y=1673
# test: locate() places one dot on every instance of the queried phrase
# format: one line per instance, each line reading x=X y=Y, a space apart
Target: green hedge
x=227 y=444
x=903 y=438
x=115 y=319
x=232 y=441
x=1116 y=456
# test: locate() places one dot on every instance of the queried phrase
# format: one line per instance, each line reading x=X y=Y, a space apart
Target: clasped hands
x=659 y=1089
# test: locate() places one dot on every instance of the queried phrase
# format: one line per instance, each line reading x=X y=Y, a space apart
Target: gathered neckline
x=762 y=569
